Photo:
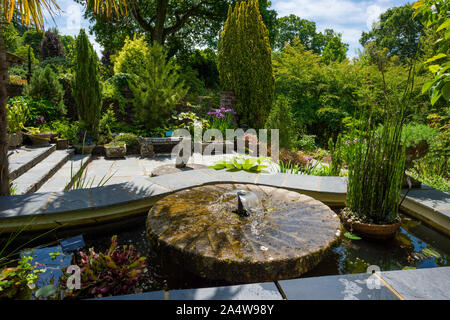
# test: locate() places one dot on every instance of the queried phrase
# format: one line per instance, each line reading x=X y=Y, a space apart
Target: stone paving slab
x=420 y=284
x=436 y=199
x=341 y=287
x=24 y=158
x=24 y=205
x=62 y=178
x=152 y=295
x=80 y=199
x=257 y=291
x=32 y=180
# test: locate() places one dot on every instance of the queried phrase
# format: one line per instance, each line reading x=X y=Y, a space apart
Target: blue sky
x=349 y=17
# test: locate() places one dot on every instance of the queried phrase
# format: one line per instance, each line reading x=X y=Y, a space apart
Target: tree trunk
x=161 y=12
x=4 y=80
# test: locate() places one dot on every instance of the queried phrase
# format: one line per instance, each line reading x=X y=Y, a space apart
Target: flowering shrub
x=40 y=120
x=17 y=80
x=117 y=271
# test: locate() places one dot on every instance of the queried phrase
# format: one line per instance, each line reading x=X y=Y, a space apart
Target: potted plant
x=375 y=170
x=17 y=115
x=116 y=149
x=39 y=137
x=83 y=143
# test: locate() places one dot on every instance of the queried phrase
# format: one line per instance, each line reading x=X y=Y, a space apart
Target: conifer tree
x=155 y=81
x=281 y=118
x=86 y=88
x=245 y=63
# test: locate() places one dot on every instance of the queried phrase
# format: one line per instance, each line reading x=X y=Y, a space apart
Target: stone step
x=34 y=178
x=24 y=158
x=62 y=179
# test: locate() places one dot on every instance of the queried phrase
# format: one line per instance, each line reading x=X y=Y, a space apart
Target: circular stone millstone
x=170 y=168
x=198 y=229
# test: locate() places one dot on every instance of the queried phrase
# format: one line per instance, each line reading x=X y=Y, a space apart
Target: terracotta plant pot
x=86 y=149
x=371 y=230
x=41 y=139
x=15 y=139
x=62 y=144
x=115 y=151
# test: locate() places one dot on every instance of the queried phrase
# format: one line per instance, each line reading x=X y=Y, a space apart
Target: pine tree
x=86 y=88
x=155 y=81
x=245 y=63
x=44 y=84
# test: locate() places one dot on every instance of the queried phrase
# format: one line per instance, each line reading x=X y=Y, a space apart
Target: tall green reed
x=377 y=161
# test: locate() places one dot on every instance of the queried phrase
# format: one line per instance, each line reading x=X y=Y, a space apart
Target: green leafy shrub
x=42 y=108
x=44 y=85
x=131 y=140
x=281 y=118
x=104 y=128
x=245 y=64
x=86 y=87
x=18 y=112
x=307 y=143
x=117 y=271
x=66 y=130
x=16 y=282
x=22 y=52
x=337 y=156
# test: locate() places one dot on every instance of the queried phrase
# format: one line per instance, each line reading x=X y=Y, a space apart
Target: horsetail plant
x=377 y=163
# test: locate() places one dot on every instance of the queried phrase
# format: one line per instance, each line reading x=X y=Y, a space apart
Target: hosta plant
x=240 y=163
x=117 y=271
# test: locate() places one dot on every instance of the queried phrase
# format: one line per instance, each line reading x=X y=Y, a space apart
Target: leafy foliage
x=397 y=31
x=245 y=65
x=22 y=52
x=435 y=16
x=51 y=46
x=241 y=163
x=18 y=113
x=130 y=139
x=117 y=271
x=16 y=282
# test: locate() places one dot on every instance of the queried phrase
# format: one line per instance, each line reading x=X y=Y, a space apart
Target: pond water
x=415 y=246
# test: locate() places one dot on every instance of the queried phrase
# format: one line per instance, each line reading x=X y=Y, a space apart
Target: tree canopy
x=397 y=31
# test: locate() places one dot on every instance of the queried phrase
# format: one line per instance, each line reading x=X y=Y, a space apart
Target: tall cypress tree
x=86 y=88
x=245 y=63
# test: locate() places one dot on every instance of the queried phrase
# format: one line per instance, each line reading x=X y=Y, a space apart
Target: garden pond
x=415 y=246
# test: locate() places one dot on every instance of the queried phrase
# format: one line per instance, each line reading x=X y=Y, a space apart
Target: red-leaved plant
x=114 y=272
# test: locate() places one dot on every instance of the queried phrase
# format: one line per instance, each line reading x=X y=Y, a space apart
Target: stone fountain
x=242 y=233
